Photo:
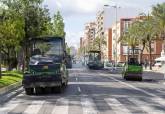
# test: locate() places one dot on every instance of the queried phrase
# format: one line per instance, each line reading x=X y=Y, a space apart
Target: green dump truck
x=94 y=60
x=47 y=65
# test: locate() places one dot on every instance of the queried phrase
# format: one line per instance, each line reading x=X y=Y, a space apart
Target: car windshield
x=47 y=48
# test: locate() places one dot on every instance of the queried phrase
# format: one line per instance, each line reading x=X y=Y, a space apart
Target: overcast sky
x=78 y=12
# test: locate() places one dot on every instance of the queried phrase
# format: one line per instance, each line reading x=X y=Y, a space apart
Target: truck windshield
x=94 y=56
x=47 y=48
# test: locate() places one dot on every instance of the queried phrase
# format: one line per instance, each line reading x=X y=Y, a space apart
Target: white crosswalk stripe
x=7 y=108
x=10 y=105
x=117 y=107
x=88 y=106
x=147 y=107
x=34 y=107
x=61 y=106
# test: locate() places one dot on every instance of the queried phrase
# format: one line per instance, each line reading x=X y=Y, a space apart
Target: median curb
x=6 y=93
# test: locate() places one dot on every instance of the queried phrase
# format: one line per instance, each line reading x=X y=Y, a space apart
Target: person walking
x=145 y=64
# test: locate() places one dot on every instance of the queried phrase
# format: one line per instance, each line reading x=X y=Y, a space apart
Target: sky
x=78 y=12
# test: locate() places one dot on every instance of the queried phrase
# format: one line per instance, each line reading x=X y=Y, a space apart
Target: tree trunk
x=133 y=52
x=150 y=55
x=8 y=59
x=141 y=54
x=23 y=62
x=0 y=62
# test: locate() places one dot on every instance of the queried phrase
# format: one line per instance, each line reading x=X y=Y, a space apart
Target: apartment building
x=89 y=34
x=118 y=51
x=105 y=19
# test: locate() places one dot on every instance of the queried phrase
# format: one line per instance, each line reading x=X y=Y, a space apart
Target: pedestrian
x=145 y=64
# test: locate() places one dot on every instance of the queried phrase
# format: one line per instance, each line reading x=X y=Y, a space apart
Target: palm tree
x=159 y=19
x=130 y=38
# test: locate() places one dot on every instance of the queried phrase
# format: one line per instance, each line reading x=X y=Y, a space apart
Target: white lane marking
x=161 y=91
x=117 y=107
x=34 y=107
x=155 y=98
x=61 y=106
x=79 y=90
x=88 y=106
x=147 y=107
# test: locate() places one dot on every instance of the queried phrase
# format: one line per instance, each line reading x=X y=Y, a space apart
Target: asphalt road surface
x=93 y=92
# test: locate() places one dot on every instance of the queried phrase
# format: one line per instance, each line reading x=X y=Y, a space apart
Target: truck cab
x=94 y=60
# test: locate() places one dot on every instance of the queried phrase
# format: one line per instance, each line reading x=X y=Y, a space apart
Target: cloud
x=75 y=7
x=73 y=38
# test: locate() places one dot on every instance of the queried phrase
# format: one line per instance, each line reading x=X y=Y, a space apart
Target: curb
x=9 y=88
x=9 y=92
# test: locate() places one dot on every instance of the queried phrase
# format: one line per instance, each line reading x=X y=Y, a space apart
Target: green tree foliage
x=98 y=43
x=58 y=25
x=130 y=38
x=22 y=19
x=11 y=30
x=158 y=12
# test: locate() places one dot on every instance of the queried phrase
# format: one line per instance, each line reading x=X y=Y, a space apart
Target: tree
x=36 y=19
x=98 y=43
x=11 y=30
x=130 y=38
x=59 y=25
x=159 y=19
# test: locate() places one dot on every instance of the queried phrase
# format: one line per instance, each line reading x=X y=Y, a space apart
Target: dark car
x=47 y=66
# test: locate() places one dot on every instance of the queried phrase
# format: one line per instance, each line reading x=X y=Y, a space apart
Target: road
x=93 y=92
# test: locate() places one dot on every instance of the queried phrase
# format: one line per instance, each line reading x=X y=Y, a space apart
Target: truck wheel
x=29 y=91
x=66 y=83
x=38 y=90
x=59 y=89
x=47 y=90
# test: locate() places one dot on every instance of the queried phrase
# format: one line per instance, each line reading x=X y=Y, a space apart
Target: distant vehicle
x=47 y=67
x=159 y=62
x=94 y=60
x=132 y=70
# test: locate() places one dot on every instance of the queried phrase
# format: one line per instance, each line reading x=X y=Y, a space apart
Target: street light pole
x=116 y=39
x=116 y=34
x=116 y=15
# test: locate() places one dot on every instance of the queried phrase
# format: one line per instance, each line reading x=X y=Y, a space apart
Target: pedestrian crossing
x=88 y=104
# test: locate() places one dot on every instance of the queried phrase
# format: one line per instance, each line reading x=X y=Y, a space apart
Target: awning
x=160 y=59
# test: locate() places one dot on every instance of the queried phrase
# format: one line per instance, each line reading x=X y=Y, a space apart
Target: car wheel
x=29 y=91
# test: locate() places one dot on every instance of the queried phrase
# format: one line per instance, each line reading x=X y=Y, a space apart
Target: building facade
x=118 y=51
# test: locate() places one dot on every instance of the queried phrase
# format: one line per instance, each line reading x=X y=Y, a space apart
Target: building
x=89 y=35
x=105 y=19
x=118 y=51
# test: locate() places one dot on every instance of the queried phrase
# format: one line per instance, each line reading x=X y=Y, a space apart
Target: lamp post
x=116 y=18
